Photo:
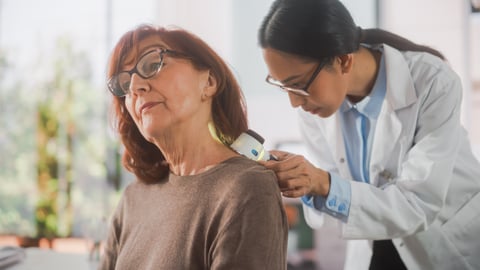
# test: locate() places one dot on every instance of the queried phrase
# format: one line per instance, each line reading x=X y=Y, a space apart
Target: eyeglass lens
x=146 y=67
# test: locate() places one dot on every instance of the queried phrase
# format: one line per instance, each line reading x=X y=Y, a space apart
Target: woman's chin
x=150 y=133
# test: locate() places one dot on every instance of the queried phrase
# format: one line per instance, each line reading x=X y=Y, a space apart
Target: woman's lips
x=147 y=106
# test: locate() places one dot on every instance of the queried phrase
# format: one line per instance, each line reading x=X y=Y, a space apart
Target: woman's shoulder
x=420 y=62
x=427 y=67
x=243 y=162
x=426 y=71
x=244 y=171
x=245 y=181
x=245 y=166
x=140 y=188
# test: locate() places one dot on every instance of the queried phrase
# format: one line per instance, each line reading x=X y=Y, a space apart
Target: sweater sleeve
x=256 y=235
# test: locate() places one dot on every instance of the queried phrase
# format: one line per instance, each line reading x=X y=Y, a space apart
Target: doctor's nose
x=296 y=100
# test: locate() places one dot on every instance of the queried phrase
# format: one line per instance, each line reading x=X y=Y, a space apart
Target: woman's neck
x=365 y=70
x=191 y=153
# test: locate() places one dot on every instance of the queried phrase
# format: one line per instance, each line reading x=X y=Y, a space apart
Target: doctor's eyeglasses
x=301 y=91
x=147 y=66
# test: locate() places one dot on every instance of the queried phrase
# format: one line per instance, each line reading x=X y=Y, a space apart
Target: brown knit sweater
x=229 y=217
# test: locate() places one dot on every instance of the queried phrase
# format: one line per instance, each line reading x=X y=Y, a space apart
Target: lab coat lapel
x=387 y=134
x=333 y=133
x=400 y=94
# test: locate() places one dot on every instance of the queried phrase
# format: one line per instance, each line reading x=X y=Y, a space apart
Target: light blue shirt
x=358 y=144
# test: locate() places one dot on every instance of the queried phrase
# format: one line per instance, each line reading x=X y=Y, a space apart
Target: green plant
x=55 y=135
x=58 y=168
x=47 y=170
x=16 y=145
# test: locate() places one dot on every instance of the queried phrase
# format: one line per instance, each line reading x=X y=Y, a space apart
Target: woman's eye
x=152 y=67
x=155 y=66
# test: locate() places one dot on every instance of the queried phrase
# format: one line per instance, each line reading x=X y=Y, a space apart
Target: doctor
x=381 y=117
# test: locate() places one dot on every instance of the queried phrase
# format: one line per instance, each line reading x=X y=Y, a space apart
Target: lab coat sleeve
x=417 y=193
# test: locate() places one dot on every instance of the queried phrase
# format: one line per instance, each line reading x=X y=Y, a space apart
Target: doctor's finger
x=280 y=155
x=285 y=189
x=290 y=163
x=285 y=176
x=295 y=193
x=284 y=182
x=293 y=183
x=279 y=166
x=293 y=170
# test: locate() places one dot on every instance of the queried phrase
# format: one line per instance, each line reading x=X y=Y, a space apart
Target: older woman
x=196 y=204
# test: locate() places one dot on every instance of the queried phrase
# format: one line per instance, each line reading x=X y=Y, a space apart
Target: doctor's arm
x=297 y=176
x=319 y=190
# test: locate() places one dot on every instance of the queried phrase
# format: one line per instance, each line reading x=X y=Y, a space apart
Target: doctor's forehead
x=282 y=65
x=280 y=57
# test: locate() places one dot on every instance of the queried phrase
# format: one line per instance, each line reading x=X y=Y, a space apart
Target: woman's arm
x=256 y=235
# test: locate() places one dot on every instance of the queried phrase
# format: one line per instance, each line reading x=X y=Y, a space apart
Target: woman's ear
x=346 y=62
x=210 y=87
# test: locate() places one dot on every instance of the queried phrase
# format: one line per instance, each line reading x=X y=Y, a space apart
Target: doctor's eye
x=296 y=85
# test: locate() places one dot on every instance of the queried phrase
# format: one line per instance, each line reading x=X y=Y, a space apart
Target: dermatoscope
x=250 y=144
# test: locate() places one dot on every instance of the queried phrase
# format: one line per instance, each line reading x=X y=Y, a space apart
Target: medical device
x=250 y=144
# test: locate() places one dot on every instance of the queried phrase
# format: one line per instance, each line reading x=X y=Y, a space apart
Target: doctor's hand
x=297 y=176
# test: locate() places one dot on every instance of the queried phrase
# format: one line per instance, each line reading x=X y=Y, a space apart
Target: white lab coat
x=425 y=181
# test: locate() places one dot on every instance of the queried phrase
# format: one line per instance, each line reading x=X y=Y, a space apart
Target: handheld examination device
x=250 y=144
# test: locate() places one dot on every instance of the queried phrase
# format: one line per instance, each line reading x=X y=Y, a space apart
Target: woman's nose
x=296 y=100
x=138 y=84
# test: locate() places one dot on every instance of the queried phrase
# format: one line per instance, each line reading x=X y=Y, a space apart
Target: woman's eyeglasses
x=147 y=66
x=302 y=91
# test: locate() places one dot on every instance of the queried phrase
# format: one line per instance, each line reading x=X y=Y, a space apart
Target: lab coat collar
x=400 y=88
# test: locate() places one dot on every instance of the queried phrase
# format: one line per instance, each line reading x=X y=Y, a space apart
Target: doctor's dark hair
x=229 y=114
x=323 y=29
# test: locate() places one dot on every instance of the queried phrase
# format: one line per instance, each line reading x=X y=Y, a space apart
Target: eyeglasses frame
x=134 y=70
x=298 y=91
